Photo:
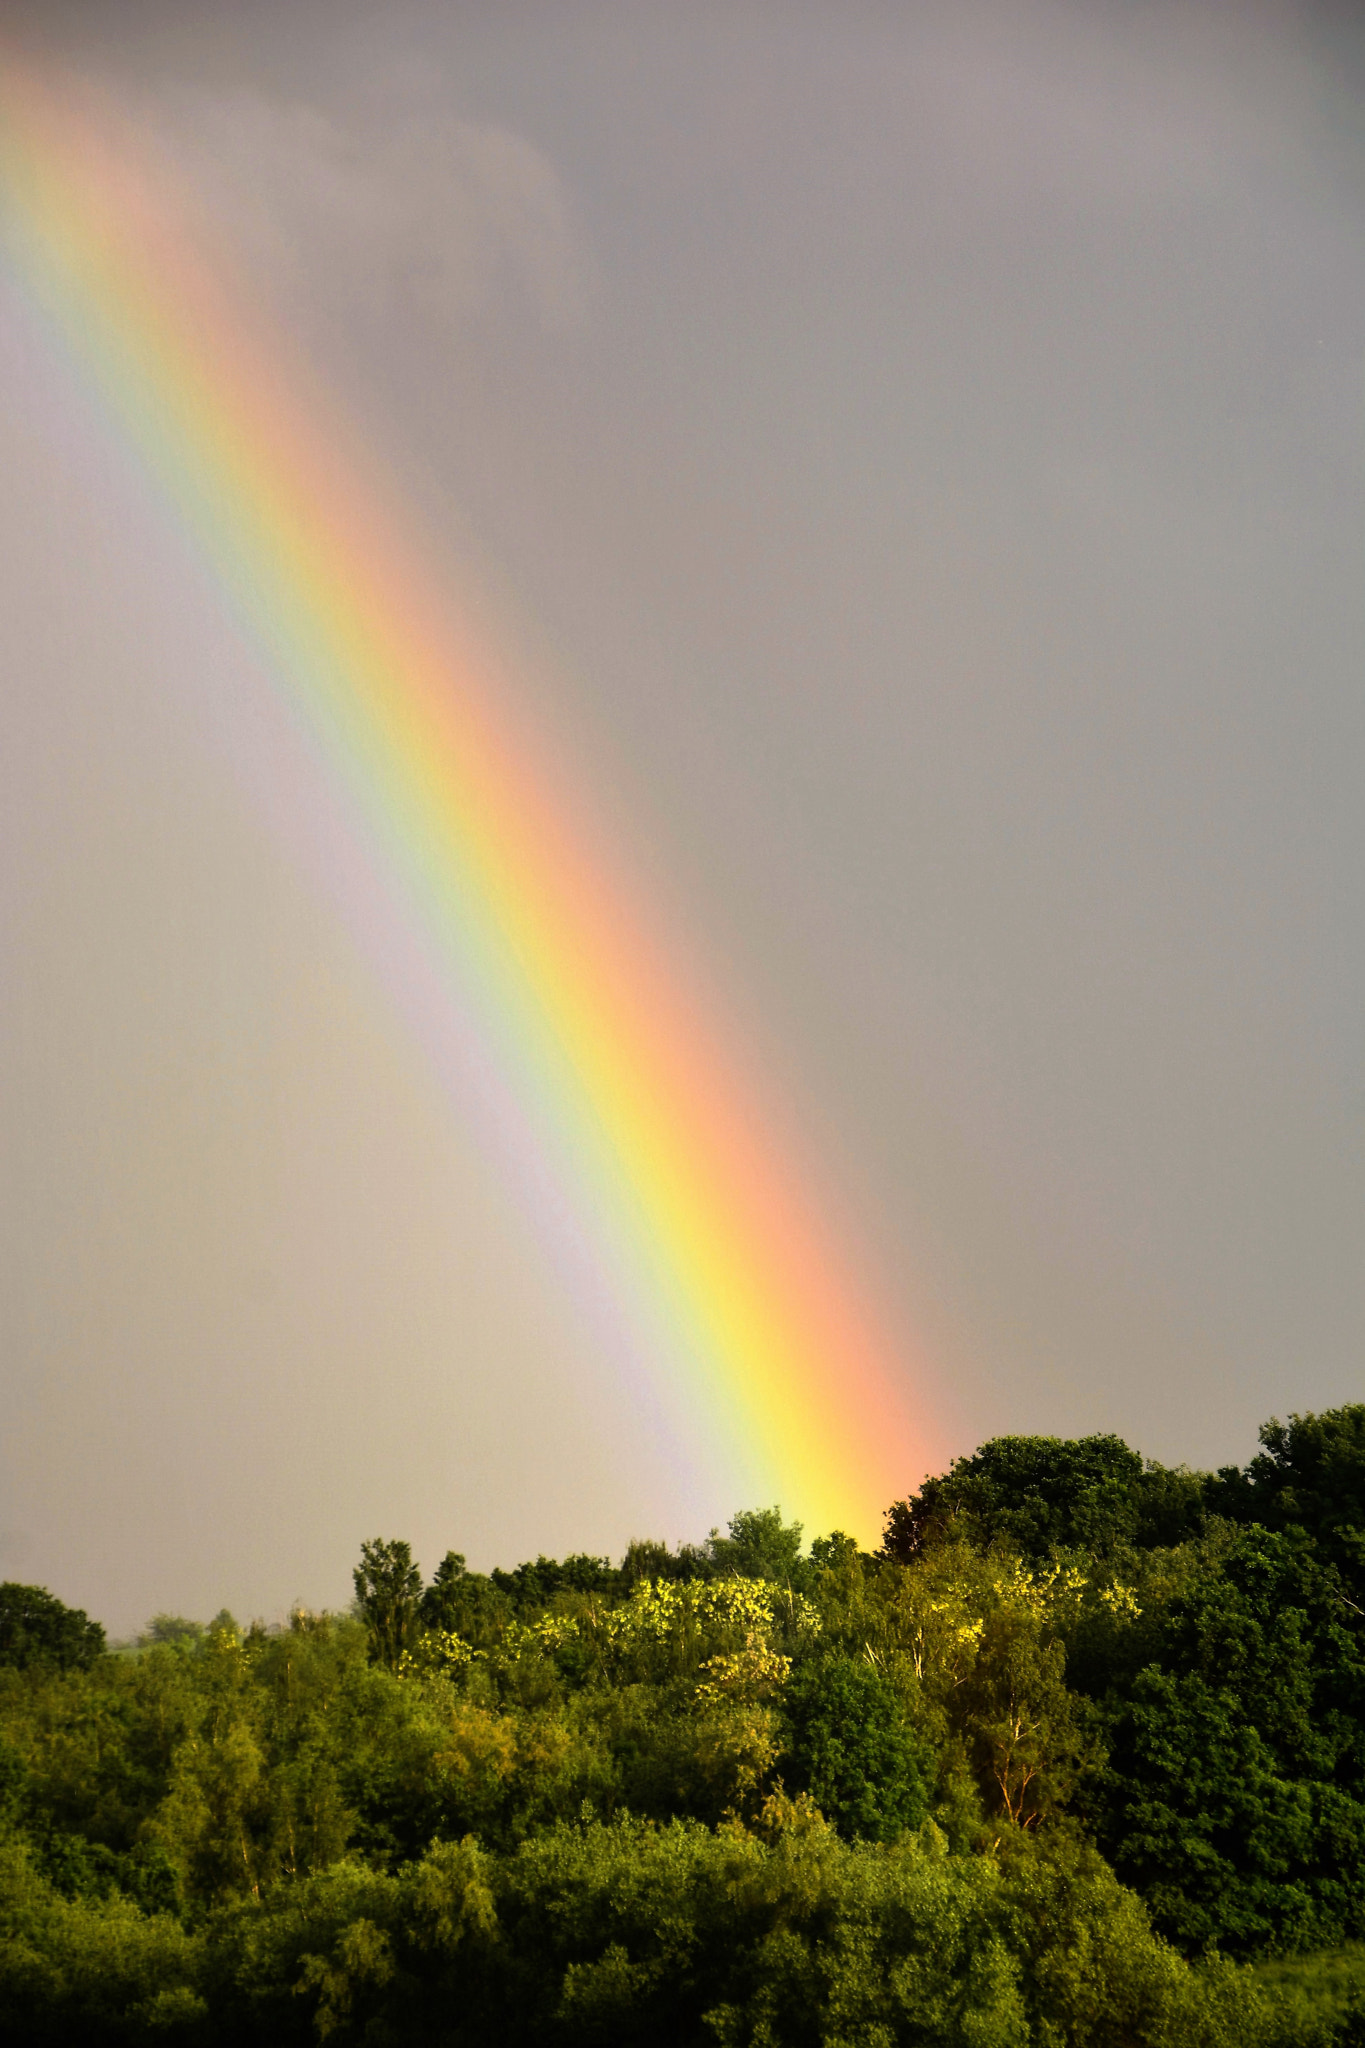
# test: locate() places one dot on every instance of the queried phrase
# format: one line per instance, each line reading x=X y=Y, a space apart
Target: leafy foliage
x=35 y=1628
x=1309 y=1475
x=1040 y=1493
x=1083 y=1727
x=853 y=1748
x=388 y=1586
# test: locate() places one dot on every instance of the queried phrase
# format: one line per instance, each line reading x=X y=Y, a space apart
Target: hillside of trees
x=1076 y=1759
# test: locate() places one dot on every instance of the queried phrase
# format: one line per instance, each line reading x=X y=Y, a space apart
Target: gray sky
x=913 y=456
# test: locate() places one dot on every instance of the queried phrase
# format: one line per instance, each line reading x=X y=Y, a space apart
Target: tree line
x=1065 y=1761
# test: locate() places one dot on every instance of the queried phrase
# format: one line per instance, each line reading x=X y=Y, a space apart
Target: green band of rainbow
x=714 y=1255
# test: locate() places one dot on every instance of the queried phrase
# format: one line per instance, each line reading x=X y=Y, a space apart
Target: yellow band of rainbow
x=736 y=1293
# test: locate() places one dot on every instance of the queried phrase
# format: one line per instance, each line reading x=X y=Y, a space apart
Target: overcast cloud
x=913 y=457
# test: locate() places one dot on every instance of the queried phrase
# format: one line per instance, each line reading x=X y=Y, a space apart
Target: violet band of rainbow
x=716 y=1256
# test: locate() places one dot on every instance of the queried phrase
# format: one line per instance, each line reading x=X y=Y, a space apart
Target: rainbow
x=724 y=1283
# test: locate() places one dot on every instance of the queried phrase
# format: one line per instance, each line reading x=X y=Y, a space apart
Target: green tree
x=760 y=1545
x=173 y=1629
x=1309 y=1474
x=388 y=1586
x=534 y=1585
x=851 y=1747
x=1019 y=1717
x=1039 y=1494
x=35 y=1628
x=464 y=1603
x=646 y=1558
x=1234 y=1797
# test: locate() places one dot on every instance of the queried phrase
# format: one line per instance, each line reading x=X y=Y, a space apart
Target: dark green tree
x=532 y=1585
x=440 y=1604
x=1038 y=1494
x=35 y=1628
x=1234 y=1798
x=851 y=1747
x=1309 y=1474
x=648 y=1559
x=388 y=1586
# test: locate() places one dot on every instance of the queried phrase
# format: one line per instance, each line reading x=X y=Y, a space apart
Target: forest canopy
x=1069 y=1759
